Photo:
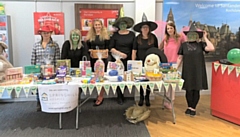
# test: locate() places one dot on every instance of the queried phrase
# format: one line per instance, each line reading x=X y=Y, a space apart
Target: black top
x=101 y=45
x=123 y=43
x=193 y=70
x=74 y=55
x=142 y=48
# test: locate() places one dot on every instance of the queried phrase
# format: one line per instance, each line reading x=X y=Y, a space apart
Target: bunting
x=107 y=88
x=18 y=90
x=99 y=86
x=1 y=91
x=26 y=91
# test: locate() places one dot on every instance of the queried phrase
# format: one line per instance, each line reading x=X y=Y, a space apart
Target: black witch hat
x=129 y=21
x=154 y=50
x=193 y=28
x=152 y=25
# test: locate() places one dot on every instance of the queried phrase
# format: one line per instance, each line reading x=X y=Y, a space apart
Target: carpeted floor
x=20 y=119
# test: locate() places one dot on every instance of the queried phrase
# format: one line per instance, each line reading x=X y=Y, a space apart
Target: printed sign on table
x=58 y=98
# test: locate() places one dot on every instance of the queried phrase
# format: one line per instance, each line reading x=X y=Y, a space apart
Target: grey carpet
x=20 y=119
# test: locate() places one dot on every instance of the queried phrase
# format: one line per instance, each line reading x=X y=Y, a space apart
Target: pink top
x=171 y=48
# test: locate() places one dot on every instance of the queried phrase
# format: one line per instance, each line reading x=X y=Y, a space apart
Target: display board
x=86 y=13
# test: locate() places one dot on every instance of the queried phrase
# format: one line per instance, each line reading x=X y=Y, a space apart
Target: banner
x=217 y=18
x=58 y=98
x=53 y=19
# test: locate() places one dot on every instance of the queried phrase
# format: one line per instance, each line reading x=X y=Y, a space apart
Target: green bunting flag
x=18 y=90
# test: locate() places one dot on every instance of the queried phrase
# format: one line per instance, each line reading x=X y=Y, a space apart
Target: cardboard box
x=135 y=66
x=64 y=62
x=14 y=73
x=32 y=69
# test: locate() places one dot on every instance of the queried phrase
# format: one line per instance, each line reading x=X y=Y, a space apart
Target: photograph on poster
x=218 y=18
x=86 y=24
x=110 y=22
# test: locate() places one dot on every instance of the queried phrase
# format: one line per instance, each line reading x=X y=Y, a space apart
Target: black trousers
x=192 y=97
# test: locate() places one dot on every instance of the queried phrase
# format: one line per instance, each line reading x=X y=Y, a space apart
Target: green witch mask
x=122 y=25
x=192 y=36
x=75 y=37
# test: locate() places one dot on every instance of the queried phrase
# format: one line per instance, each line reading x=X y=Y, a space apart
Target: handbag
x=84 y=65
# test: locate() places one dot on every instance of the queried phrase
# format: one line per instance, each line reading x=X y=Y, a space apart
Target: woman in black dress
x=144 y=41
x=98 y=37
x=194 y=70
x=121 y=43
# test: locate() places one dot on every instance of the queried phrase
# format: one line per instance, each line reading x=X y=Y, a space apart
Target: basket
x=173 y=77
x=104 y=53
x=153 y=77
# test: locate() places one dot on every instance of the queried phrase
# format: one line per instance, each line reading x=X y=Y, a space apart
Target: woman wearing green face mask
x=74 y=49
x=121 y=43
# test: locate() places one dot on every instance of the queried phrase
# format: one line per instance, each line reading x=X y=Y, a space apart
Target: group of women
x=130 y=47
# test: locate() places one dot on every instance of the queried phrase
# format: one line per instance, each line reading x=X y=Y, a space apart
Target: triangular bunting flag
x=159 y=85
x=114 y=88
x=151 y=85
x=216 y=65
x=122 y=87
x=137 y=85
x=106 y=87
x=223 y=68
x=1 y=91
x=129 y=86
x=18 y=90
x=230 y=69
x=26 y=91
x=166 y=86
x=237 y=71
x=91 y=88
x=34 y=90
x=174 y=85
x=180 y=84
x=99 y=87
x=84 y=89
x=144 y=86
x=9 y=90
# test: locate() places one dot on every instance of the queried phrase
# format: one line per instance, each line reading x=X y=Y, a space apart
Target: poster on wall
x=6 y=35
x=218 y=18
x=53 y=19
x=87 y=17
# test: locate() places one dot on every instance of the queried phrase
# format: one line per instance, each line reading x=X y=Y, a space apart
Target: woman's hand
x=205 y=34
x=124 y=56
x=91 y=54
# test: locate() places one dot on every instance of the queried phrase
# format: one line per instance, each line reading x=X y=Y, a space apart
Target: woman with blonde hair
x=170 y=45
x=98 y=38
x=74 y=49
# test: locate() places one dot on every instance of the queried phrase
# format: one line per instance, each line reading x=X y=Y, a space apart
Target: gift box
x=134 y=66
x=75 y=72
x=64 y=62
x=14 y=73
x=32 y=69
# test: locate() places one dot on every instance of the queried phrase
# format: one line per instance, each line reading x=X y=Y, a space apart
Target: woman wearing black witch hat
x=121 y=44
x=194 y=70
x=145 y=42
